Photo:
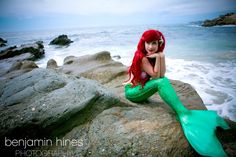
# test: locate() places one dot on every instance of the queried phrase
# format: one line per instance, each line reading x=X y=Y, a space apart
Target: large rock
x=99 y=67
x=137 y=132
x=130 y=131
x=43 y=103
x=35 y=49
x=227 y=19
x=23 y=53
x=45 y=90
x=18 y=68
x=61 y=40
x=52 y=64
x=2 y=42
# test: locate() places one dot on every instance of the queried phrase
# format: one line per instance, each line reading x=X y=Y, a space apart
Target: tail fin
x=199 y=128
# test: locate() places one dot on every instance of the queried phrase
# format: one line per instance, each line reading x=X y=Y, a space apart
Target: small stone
x=52 y=64
x=117 y=57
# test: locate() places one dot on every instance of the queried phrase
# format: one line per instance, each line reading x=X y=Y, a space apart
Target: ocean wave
x=215 y=83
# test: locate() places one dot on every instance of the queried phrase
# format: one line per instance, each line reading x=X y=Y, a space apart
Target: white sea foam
x=225 y=26
x=215 y=83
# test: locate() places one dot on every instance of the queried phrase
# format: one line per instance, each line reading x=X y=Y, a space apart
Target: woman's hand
x=155 y=55
x=129 y=80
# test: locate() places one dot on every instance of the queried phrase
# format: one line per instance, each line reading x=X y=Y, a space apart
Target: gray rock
x=5 y=64
x=116 y=57
x=36 y=49
x=44 y=103
x=99 y=67
x=22 y=65
x=2 y=42
x=70 y=60
x=45 y=99
x=17 y=68
x=14 y=54
x=132 y=131
x=52 y=64
x=61 y=40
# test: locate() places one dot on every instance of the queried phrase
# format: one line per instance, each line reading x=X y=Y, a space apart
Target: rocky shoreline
x=227 y=19
x=83 y=101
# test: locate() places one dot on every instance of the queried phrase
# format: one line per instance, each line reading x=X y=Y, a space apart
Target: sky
x=18 y=15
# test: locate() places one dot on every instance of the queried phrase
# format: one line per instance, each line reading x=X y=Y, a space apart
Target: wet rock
x=52 y=64
x=99 y=67
x=44 y=103
x=3 y=42
x=116 y=57
x=7 y=64
x=22 y=65
x=69 y=60
x=137 y=132
x=62 y=40
x=15 y=54
x=19 y=68
x=36 y=50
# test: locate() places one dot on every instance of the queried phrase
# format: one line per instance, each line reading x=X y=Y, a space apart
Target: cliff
x=227 y=19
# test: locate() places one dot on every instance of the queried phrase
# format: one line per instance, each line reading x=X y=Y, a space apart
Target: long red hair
x=135 y=68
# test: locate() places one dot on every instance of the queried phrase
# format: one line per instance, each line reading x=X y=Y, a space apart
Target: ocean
x=204 y=57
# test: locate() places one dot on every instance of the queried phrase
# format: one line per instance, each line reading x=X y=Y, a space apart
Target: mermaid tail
x=199 y=128
x=198 y=125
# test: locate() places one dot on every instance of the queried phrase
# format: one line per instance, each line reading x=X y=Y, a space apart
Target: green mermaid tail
x=198 y=125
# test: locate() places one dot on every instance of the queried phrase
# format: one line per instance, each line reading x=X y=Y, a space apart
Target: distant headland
x=227 y=19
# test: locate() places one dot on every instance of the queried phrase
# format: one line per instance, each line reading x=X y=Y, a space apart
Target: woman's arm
x=129 y=80
x=154 y=72
x=163 y=65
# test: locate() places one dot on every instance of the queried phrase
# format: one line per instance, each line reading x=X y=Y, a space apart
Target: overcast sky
x=42 y=14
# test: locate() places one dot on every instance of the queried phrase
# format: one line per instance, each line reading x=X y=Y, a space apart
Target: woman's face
x=151 y=47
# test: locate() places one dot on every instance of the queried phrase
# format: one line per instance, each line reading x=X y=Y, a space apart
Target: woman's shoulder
x=145 y=60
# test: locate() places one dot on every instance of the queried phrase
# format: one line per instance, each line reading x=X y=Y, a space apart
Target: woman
x=146 y=77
